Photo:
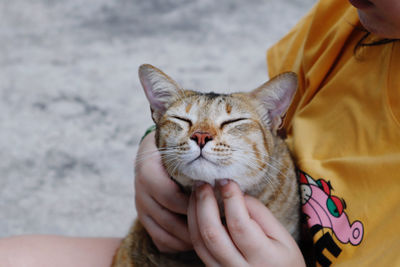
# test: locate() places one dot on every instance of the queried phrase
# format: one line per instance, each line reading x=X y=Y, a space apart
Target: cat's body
x=208 y=136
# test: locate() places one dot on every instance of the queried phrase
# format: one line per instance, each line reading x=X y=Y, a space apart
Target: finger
x=212 y=232
x=151 y=176
x=164 y=241
x=245 y=232
x=164 y=191
x=267 y=221
x=172 y=223
x=273 y=228
x=195 y=235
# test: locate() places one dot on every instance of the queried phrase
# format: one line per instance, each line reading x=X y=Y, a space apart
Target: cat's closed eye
x=183 y=119
x=231 y=121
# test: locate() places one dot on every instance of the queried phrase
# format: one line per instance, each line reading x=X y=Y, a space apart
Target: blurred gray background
x=71 y=107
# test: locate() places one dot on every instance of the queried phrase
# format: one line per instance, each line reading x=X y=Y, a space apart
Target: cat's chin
x=210 y=174
x=205 y=170
x=200 y=169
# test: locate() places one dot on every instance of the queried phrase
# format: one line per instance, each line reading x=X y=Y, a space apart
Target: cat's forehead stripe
x=199 y=105
x=211 y=95
x=228 y=108
x=188 y=107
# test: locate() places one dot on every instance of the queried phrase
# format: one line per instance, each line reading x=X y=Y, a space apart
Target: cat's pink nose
x=201 y=138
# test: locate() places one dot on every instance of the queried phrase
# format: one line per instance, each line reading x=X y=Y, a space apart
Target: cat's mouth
x=201 y=159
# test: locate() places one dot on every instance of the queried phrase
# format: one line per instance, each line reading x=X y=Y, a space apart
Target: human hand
x=160 y=204
x=252 y=237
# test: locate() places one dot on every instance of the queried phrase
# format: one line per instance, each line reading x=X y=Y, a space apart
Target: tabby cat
x=208 y=136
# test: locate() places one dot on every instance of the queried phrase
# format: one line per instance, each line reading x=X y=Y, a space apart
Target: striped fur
x=242 y=144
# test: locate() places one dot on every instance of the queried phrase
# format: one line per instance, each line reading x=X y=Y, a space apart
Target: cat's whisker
x=270 y=158
x=173 y=164
x=156 y=150
x=140 y=158
x=251 y=158
x=262 y=154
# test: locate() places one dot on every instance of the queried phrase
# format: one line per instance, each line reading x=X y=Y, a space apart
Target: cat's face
x=207 y=136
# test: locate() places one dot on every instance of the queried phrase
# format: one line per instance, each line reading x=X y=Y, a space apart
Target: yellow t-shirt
x=343 y=129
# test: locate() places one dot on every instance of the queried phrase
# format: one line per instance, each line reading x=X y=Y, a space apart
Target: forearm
x=50 y=251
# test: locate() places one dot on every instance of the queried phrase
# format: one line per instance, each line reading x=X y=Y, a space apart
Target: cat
x=209 y=136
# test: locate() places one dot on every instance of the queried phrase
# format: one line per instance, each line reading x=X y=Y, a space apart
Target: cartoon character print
x=324 y=209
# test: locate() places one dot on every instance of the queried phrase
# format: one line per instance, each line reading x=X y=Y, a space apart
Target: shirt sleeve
x=286 y=54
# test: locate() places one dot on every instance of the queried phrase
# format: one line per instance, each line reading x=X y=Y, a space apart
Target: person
x=342 y=129
x=343 y=132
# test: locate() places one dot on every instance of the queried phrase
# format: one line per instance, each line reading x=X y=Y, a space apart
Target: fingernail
x=223 y=182
x=197 y=184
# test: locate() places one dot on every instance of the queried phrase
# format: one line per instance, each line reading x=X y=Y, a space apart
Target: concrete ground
x=71 y=107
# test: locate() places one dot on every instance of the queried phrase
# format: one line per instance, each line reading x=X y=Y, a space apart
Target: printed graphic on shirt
x=325 y=213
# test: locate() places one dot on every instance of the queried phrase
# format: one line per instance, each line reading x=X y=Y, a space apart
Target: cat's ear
x=160 y=89
x=274 y=98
